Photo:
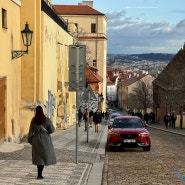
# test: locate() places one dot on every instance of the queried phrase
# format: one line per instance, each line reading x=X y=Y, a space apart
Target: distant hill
x=165 y=57
x=155 y=56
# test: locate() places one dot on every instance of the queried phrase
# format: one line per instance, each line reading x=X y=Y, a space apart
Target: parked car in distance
x=112 y=117
x=128 y=131
x=112 y=111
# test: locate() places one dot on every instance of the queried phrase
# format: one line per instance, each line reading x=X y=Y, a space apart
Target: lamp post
x=27 y=39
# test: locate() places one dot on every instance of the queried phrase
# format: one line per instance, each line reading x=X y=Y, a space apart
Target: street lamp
x=26 y=38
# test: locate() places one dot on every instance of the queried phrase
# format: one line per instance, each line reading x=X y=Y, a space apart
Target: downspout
x=97 y=40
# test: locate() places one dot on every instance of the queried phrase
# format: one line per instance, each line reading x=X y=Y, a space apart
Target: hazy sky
x=141 y=26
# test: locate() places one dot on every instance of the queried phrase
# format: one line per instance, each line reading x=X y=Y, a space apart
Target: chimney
x=88 y=3
x=184 y=47
x=129 y=76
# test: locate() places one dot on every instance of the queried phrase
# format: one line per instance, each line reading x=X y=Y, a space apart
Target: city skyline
x=141 y=26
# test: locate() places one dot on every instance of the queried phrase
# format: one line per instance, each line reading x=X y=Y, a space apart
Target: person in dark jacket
x=173 y=119
x=80 y=116
x=146 y=117
x=85 y=118
x=39 y=137
x=91 y=118
x=97 y=118
x=166 y=119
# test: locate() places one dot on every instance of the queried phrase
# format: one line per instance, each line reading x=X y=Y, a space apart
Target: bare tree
x=133 y=101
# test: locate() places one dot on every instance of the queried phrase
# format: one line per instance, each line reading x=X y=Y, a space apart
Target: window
x=4 y=18
x=93 y=28
x=94 y=63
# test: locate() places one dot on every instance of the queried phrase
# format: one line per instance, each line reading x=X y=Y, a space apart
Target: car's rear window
x=127 y=123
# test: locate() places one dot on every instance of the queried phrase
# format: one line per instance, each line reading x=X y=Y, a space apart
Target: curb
x=95 y=176
x=168 y=130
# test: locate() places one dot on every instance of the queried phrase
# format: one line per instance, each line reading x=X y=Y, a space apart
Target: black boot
x=40 y=169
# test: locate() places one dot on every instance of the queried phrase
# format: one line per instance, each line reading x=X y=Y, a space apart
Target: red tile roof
x=129 y=81
x=92 y=77
x=109 y=82
x=75 y=10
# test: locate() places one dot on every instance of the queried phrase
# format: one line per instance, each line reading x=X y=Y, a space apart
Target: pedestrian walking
x=173 y=119
x=146 y=117
x=39 y=137
x=166 y=119
x=91 y=118
x=85 y=118
x=97 y=118
x=152 y=117
x=102 y=114
x=80 y=116
x=139 y=114
x=107 y=115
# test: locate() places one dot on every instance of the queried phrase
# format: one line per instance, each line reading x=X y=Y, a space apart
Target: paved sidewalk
x=169 y=129
x=16 y=166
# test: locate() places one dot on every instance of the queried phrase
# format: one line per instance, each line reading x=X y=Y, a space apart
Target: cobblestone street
x=163 y=165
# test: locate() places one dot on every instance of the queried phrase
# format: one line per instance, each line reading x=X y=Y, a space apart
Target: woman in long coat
x=39 y=137
x=97 y=118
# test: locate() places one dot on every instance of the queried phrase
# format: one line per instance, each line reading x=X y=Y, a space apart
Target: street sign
x=77 y=67
x=77 y=77
x=89 y=94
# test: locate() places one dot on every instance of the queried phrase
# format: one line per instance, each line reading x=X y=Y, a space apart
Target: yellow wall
x=10 y=69
x=30 y=77
x=30 y=12
x=55 y=42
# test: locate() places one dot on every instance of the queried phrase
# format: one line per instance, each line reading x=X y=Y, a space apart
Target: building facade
x=169 y=90
x=37 y=77
x=88 y=27
x=127 y=86
x=10 y=76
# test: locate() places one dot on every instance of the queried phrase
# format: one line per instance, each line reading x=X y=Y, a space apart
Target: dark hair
x=39 y=117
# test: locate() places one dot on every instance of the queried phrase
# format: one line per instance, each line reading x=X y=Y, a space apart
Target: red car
x=128 y=131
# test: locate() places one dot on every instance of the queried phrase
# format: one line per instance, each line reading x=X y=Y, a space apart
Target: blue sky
x=141 y=26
